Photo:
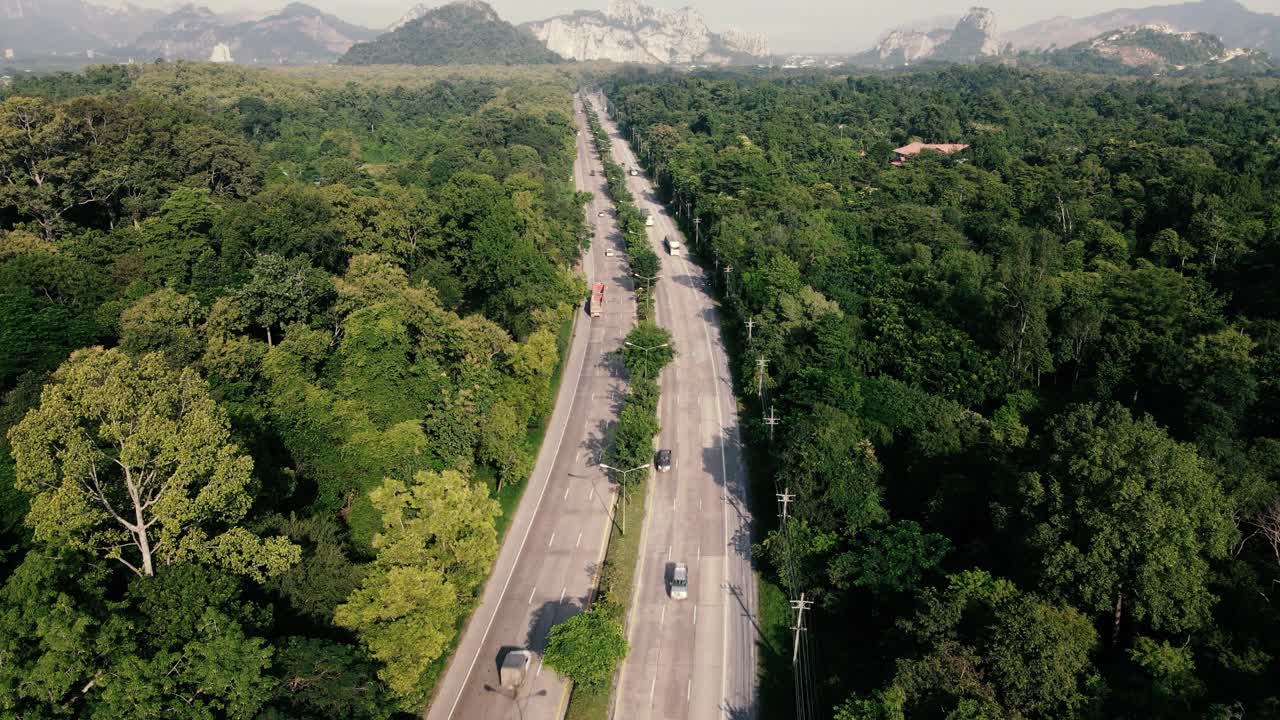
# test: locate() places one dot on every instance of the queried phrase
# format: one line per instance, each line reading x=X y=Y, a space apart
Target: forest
x=1029 y=393
x=275 y=356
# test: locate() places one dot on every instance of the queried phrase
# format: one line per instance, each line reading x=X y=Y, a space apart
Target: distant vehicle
x=663 y=461
x=634 y=172
x=648 y=220
x=600 y=214
x=597 y=300
x=673 y=246
x=514 y=667
x=680 y=582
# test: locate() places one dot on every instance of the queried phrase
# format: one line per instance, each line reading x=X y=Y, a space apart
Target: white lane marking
x=532 y=590
x=653 y=687
x=695 y=614
x=579 y=540
x=688 y=691
x=553 y=539
x=668 y=552
x=563 y=590
x=537 y=674
x=566 y=493
x=662 y=620
x=699 y=554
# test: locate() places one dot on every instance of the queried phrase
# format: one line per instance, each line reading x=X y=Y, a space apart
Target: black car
x=663 y=461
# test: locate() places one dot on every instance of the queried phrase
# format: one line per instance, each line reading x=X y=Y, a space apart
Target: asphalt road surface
x=693 y=658
x=546 y=569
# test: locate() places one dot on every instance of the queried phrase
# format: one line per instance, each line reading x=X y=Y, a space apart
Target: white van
x=648 y=220
x=673 y=246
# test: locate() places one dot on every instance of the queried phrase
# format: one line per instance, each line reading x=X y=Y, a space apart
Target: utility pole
x=697 y=230
x=751 y=325
x=727 y=269
x=785 y=497
x=761 y=365
x=799 y=606
x=772 y=421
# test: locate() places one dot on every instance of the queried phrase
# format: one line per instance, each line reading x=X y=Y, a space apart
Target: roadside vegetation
x=271 y=351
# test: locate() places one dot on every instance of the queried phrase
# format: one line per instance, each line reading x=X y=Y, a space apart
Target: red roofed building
x=901 y=155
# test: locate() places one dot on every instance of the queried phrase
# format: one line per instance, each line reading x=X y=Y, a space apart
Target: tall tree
x=437 y=544
x=1128 y=519
x=132 y=460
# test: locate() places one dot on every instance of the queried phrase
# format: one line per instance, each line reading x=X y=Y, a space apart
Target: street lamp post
x=647 y=349
x=623 y=485
x=648 y=280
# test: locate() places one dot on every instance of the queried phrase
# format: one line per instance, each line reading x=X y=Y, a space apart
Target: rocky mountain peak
x=630 y=31
x=974 y=36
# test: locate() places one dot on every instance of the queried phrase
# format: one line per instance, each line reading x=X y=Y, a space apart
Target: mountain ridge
x=297 y=33
x=1237 y=25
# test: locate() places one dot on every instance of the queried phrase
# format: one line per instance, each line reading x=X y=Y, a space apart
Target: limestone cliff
x=633 y=32
x=973 y=37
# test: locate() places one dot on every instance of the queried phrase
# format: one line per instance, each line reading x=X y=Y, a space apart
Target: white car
x=680 y=582
x=673 y=246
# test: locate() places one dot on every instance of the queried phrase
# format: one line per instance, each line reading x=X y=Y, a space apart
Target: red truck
x=597 y=300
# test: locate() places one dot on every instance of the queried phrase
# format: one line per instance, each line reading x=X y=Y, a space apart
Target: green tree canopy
x=586 y=648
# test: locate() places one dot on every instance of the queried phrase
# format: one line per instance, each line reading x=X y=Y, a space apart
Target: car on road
x=600 y=214
x=662 y=461
x=680 y=582
x=673 y=246
x=648 y=220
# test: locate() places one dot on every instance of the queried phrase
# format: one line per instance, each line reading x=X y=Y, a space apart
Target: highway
x=693 y=658
x=546 y=569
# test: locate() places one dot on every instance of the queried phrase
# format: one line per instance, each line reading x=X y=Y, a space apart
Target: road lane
x=546 y=569
x=694 y=658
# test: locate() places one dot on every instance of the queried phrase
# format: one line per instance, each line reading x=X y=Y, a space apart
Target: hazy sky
x=791 y=25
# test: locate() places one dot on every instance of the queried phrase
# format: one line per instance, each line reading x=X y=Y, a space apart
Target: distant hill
x=1157 y=49
x=467 y=32
x=59 y=27
x=973 y=37
x=1237 y=25
x=297 y=34
x=630 y=31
